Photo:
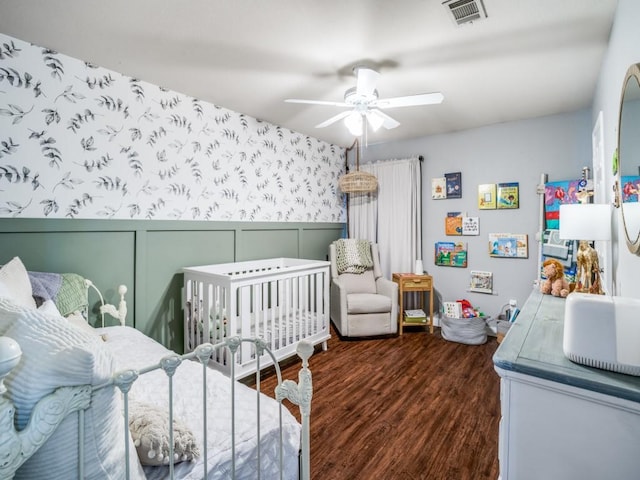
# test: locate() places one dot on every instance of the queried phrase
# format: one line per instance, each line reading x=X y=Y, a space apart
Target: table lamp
x=586 y=222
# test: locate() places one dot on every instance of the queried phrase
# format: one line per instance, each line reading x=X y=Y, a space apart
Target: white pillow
x=55 y=354
x=77 y=320
x=49 y=307
x=15 y=283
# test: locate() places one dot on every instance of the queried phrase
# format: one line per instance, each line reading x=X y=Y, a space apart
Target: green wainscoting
x=148 y=256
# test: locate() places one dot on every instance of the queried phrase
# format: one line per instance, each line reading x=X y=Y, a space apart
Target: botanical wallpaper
x=81 y=141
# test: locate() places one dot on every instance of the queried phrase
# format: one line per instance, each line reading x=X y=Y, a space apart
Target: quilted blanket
x=67 y=290
x=353 y=256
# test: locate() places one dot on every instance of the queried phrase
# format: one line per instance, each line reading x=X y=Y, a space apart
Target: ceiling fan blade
x=387 y=122
x=334 y=119
x=367 y=79
x=410 y=100
x=317 y=102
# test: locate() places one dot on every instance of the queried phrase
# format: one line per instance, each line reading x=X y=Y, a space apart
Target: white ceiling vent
x=465 y=11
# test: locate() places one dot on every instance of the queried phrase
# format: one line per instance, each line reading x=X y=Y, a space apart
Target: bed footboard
x=17 y=447
x=299 y=394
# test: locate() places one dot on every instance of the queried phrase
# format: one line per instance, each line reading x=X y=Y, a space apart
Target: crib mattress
x=132 y=349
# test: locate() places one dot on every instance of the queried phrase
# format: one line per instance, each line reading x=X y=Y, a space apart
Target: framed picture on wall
x=450 y=254
x=438 y=188
x=487 y=196
x=481 y=282
x=470 y=226
x=508 y=195
x=508 y=245
x=454 y=184
x=453 y=223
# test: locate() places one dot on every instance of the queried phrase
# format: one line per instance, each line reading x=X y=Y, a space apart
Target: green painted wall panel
x=256 y=244
x=148 y=256
x=106 y=258
x=166 y=253
x=315 y=242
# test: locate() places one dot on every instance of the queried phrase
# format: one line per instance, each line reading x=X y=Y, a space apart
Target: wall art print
x=81 y=141
x=438 y=188
x=481 y=282
x=555 y=194
x=450 y=254
x=508 y=195
x=487 y=196
x=508 y=245
x=454 y=184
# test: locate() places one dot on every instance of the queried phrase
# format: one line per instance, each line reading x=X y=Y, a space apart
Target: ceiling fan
x=363 y=103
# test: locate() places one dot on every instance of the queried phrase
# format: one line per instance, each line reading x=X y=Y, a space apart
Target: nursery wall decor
x=487 y=196
x=508 y=195
x=508 y=245
x=481 y=282
x=457 y=223
x=555 y=194
x=553 y=247
x=470 y=226
x=81 y=141
x=451 y=254
x=438 y=188
x=453 y=223
x=454 y=184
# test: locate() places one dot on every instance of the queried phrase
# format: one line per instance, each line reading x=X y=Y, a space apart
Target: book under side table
x=410 y=282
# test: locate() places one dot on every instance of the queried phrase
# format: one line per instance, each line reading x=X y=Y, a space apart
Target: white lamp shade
x=353 y=121
x=585 y=221
x=375 y=120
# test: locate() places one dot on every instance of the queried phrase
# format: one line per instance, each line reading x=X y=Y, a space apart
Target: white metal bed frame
x=17 y=446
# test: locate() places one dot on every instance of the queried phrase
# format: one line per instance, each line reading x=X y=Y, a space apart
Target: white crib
x=281 y=300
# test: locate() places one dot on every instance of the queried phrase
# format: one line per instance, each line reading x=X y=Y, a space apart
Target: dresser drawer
x=416 y=284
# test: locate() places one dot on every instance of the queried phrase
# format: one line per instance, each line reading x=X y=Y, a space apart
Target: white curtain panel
x=393 y=216
x=363 y=216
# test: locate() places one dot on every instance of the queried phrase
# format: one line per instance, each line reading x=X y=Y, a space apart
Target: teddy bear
x=555 y=283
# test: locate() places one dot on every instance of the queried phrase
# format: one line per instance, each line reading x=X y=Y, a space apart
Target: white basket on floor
x=471 y=331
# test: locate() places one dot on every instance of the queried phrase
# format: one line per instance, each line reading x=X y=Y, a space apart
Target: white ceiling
x=528 y=58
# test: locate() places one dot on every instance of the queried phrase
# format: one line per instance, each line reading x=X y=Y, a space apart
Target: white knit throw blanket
x=353 y=256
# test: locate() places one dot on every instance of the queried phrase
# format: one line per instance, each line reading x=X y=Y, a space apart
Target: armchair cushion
x=367 y=303
x=359 y=282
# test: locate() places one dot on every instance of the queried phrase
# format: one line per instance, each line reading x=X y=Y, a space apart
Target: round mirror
x=628 y=177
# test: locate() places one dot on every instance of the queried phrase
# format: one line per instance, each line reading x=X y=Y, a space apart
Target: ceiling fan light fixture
x=375 y=120
x=353 y=121
x=366 y=108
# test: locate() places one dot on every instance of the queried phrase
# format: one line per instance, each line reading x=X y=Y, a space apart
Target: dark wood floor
x=410 y=407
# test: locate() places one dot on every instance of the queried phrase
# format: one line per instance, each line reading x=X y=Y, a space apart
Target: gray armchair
x=363 y=304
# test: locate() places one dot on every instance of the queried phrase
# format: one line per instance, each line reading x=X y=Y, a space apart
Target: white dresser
x=561 y=420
